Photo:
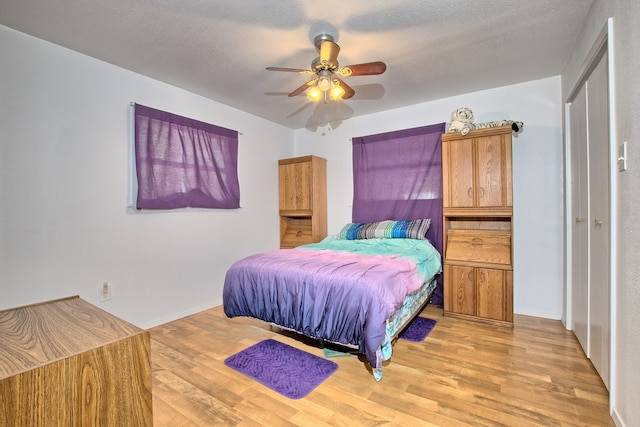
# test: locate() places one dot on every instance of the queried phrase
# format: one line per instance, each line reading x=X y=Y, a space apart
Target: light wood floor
x=463 y=374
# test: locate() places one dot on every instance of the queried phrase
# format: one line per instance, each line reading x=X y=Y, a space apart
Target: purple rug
x=418 y=329
x=289 y=371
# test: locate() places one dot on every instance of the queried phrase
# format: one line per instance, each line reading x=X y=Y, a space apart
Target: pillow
x=415 y=229
x=376 y=230
x=349 y=231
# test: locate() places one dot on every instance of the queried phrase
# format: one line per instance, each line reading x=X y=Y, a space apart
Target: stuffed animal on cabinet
x=462 y=121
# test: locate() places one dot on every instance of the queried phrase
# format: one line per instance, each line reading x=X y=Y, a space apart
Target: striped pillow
x=377 y=230
x=416 y=229
x=350 y=231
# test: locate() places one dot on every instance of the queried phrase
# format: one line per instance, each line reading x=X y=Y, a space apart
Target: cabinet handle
x=597 y=223
x=299 y=233
x=481 y=192
x=476 y=241
x=579 y=220
x=470 y=192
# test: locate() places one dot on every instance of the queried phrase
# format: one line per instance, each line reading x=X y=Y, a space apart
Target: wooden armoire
x=303 y=200
x=478 y=225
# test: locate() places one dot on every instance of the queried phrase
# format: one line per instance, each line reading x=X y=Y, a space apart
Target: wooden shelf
x=303 y=200
x=301 y=213
x=503 y=211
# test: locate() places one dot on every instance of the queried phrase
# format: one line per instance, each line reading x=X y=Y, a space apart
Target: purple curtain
x=181 y=162
x=398 y=175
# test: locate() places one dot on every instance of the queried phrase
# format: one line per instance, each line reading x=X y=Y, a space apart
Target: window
x=181 y=162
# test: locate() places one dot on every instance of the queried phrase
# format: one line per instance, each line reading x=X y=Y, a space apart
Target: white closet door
x=590 y=206
x=579 y=209
x=599 y=235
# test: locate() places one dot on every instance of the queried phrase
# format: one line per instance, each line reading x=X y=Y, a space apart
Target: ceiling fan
x=327 y=83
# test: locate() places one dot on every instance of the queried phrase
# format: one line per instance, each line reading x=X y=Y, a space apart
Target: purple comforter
x=337 y=296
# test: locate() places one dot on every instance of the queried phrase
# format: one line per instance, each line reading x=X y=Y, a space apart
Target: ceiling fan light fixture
x=337 y=91
x=324 y=88
x=324 y=84
x=314 y=94
x=327 y=84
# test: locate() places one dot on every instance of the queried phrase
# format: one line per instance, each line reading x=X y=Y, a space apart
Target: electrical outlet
x=104 y=292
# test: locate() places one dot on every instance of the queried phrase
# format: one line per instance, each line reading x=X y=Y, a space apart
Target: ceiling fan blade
x=291 y=70
x=367 y=69
x=348 y=90
x=304 y=87
x=329 y=53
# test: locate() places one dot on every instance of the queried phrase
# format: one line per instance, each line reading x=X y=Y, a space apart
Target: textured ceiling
x=219 y=49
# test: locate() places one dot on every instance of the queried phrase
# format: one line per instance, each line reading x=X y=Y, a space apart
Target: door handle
x=579 y=220
x=597 y=223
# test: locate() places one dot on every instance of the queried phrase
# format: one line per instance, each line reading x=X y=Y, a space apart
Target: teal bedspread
x=425 y=256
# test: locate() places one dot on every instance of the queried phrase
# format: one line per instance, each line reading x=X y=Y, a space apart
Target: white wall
x=537 y=176
x=625 y=375
x=64 y=227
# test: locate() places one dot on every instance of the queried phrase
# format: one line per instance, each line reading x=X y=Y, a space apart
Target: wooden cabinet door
x=492 y=186
x=494 y=293
x=457 y=163
x=482 y=292
x=460 y=289
x=295 y=184
x=477 y=172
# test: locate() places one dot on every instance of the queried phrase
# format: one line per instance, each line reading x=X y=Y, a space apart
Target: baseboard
x=616 y=418
x=179 y=315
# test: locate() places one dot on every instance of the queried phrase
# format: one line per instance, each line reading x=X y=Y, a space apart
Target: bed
x=358 y=288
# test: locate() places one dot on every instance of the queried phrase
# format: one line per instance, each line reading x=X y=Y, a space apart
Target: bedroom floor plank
x=462 y=374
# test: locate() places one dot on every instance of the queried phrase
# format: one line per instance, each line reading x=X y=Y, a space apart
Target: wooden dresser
x=68 y=363
x=303 y=200
x=478 y=225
